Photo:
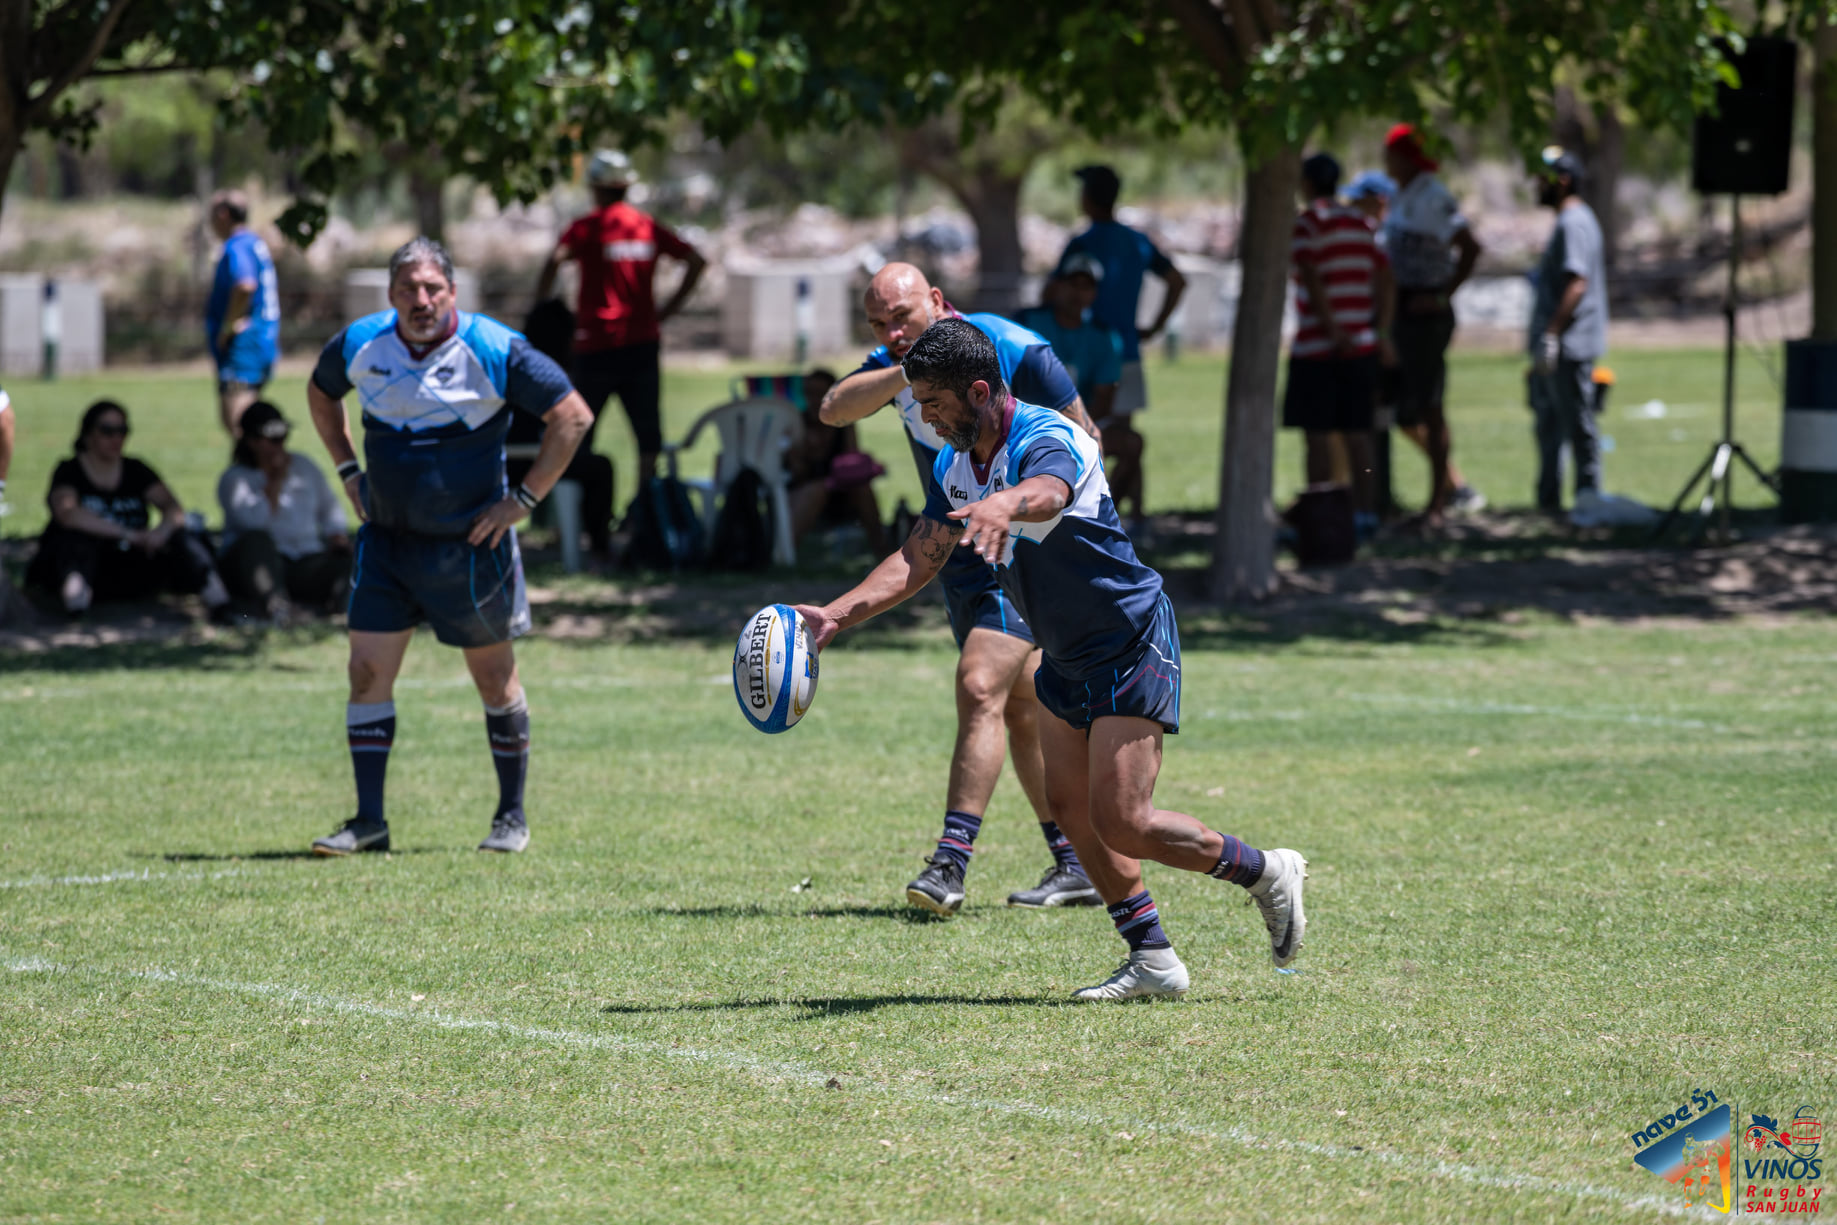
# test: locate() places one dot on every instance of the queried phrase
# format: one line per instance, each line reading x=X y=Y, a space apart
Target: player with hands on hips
x=438 y=543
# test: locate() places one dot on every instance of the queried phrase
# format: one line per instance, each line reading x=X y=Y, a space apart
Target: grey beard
x=967 y=437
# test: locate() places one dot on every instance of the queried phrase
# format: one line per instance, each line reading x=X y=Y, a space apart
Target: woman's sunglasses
x=112 y=431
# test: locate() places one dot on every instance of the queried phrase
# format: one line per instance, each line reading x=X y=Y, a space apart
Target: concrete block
x=81 y=345
x=769 y=303
x=22 y=338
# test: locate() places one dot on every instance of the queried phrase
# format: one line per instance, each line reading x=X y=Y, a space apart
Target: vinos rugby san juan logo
x=1775 y=1168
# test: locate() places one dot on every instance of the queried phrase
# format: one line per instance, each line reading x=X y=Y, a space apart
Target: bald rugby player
x=999 y=658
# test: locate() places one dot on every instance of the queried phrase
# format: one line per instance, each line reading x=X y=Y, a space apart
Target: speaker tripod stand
x=1716 y=473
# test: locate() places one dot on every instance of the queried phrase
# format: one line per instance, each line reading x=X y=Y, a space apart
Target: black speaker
x=1746 y=147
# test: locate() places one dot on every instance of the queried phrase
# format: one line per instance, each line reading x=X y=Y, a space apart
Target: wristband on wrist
x=522 y=494
x=348 y=469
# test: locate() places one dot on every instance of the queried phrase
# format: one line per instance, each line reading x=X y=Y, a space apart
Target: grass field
x=1562 y=878
x=176 y=431
x=1564 y=875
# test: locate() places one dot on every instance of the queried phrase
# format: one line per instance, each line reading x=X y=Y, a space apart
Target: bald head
x=900 y=304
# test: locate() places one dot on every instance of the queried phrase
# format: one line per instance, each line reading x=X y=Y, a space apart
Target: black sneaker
x=939 y=888
x=509 y=833
x=1061 y=886
x=354 y=836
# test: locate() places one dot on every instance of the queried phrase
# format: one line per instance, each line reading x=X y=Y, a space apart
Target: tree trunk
x=1244 y=555
x=995 y=207
x=1597 y=136
x=1824 y=183
x=427 y=186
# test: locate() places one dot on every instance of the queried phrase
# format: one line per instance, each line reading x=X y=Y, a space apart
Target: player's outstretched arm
x=894 y=581
x=334 y=430
x=986 y=524
x=861 y=394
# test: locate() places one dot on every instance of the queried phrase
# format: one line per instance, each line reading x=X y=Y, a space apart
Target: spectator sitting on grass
x=283 y=528
x=98 y=545
x=832 y=479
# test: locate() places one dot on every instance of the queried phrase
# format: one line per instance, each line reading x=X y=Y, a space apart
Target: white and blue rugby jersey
x=434 y=424
x=1075 y=577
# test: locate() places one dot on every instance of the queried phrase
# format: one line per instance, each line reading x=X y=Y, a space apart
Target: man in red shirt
x=1343 y=304
x=616 y=320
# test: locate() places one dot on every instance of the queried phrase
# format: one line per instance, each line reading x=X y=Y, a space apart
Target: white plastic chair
x=754 y=434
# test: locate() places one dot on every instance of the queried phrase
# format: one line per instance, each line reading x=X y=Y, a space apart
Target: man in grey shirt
x=1568 y=333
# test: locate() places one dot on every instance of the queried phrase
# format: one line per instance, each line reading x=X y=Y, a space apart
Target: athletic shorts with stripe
x=1143 y=682
x=472 y=595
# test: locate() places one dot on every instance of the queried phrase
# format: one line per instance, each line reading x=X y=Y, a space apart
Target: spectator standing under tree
x=1432 y=251
x=1568 y=334
x=99 y=544
x=616 y=319
x=242 y=318
x=1126 y=255
x=283 y=527
x=1343 y=302
x=1090 y=352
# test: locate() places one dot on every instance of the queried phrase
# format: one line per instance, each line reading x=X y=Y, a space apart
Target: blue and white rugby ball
x=774 y=669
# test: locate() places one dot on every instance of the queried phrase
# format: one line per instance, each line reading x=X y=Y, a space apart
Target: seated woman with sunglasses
x=99 y=545
x=283 y=527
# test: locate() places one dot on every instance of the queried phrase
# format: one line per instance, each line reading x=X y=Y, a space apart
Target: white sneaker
x=1146 y=973
x=1277 y=894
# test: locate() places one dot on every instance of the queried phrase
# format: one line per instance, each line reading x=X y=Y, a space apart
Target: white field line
x=1458 y=707
x=772 y=1069
x=114 y=878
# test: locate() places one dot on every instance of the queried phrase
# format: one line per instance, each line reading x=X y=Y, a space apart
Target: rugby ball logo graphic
x=774 y=669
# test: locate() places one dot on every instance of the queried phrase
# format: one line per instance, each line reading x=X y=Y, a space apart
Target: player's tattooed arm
x=894 y=581
x=1082 y=417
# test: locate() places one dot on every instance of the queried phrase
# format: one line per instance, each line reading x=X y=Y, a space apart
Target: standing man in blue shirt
x=242 y=319
x=1090 y=352
x=1126 y=255
x=438 y=543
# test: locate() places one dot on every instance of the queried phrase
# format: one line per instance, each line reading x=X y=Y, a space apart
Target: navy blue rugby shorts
x=472 y=595
x=1143 y=682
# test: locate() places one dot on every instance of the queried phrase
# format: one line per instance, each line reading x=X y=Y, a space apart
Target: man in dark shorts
x=438 y=542
x=1432 y=251
x=1342 y=303
x=998 y=655
x=617 y=321
x=1023 y=488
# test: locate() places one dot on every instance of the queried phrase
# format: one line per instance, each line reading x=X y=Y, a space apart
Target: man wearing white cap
x=616 y=320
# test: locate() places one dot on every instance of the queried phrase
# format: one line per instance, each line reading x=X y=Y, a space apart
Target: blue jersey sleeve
x=244 y=267
x=533 y=382
x=879 y=359
x=1152 y=257
x=331 y=375
x=1040 y=378
x=1046 y=456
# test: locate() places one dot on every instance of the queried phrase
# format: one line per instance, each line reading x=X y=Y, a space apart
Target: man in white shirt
x=1432 y=251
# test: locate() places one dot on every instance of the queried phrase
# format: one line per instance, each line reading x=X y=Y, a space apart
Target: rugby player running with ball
x=438 y=542
x=1024 y=490
x=998 y=653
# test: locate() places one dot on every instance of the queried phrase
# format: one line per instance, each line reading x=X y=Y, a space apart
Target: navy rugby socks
x=507 y=727
x=370 y=727
x=959 y=840
x=1240 y=864
x=1061 y=847
x=1139 y=922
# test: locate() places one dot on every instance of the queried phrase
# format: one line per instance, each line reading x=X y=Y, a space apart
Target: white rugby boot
x=1277 y=894
x=1144 y=974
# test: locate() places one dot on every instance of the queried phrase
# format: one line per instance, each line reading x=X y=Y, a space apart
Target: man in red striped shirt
x=1343 y=302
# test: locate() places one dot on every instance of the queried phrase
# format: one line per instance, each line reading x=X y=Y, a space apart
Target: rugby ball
x=774 y=669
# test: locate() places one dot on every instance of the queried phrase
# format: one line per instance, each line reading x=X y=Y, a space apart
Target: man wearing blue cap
x=1568 y=334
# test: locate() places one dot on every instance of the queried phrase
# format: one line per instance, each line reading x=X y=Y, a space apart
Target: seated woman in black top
x=831 y=477
x=98 y=545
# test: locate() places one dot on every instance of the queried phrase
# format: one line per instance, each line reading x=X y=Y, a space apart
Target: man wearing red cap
x=1431 y=251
